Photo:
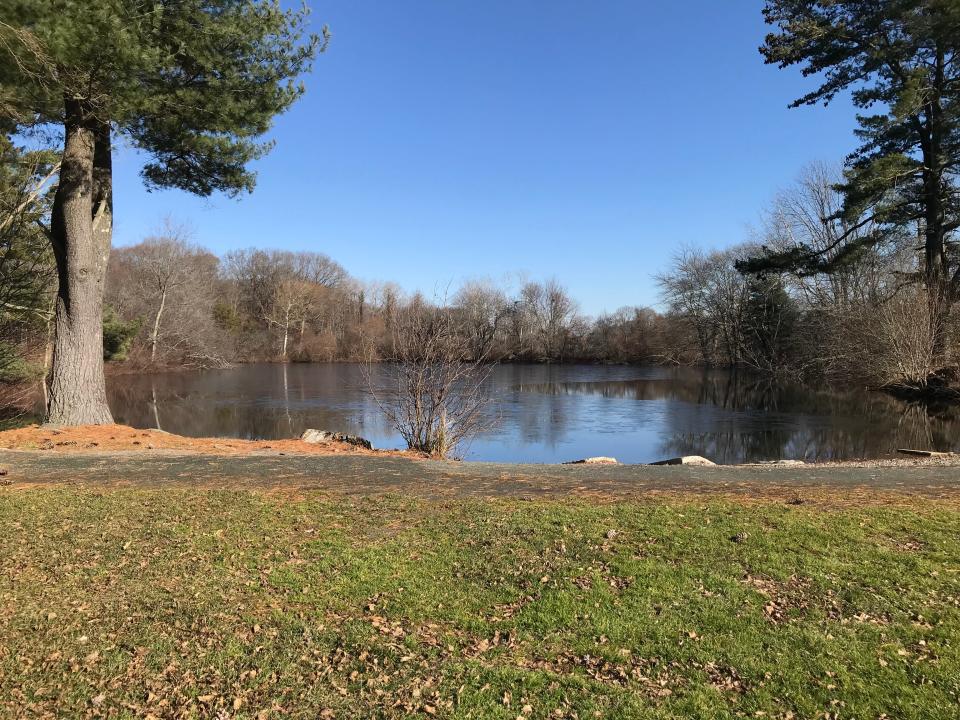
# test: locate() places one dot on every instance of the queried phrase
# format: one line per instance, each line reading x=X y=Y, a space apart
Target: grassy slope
x=239 y=605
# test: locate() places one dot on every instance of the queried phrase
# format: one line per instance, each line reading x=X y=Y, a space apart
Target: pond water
x=548 y=414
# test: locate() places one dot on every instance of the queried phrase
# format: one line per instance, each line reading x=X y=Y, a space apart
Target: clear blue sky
x=446 y=139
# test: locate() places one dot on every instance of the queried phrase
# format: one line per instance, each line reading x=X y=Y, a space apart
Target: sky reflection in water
x=550 y=413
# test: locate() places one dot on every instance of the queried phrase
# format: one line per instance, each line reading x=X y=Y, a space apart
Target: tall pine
x=194 y=84
x=899 y=61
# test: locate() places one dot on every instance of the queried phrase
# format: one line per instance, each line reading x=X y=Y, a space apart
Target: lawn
x=239 y=604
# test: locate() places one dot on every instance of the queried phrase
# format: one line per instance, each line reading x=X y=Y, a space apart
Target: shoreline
x=127 y=440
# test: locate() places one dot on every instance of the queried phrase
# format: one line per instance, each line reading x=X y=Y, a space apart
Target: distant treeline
x=173 y=303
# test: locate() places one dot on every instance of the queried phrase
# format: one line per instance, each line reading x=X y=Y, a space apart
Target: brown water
x=553 y=414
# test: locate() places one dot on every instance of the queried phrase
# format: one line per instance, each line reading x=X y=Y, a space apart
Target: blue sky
x=442 y=140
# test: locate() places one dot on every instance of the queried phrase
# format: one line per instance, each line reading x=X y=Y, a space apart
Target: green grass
x=180 y=603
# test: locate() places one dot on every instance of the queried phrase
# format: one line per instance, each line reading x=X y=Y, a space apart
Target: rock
x=595 y=461
x=315 y=437
x=694 y=460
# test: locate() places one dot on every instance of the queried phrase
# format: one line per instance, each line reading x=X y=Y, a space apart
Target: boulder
x=595 y=461
x=315 y=437
x=694 y=460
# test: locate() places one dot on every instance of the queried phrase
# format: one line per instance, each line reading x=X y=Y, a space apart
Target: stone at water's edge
x=686 y=460
x=314 y=437
x=595 y=461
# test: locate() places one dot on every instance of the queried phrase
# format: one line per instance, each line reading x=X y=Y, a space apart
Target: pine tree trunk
x=935 y=247
x=81 y=229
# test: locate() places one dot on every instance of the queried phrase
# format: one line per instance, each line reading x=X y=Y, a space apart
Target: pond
x=550 y=414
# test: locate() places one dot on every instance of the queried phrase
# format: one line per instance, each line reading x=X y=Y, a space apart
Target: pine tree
x=899 y=60
x=194 y=84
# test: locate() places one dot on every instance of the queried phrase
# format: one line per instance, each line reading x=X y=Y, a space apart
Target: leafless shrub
x=433 y=395
x=898 y=340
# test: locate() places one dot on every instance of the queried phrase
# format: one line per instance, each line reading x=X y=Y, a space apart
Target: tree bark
x=286 y=332
x=936 y=266
x=81 y=229
x=156 y=326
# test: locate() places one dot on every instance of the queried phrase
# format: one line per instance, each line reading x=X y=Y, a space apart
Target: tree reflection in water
x=553 y=414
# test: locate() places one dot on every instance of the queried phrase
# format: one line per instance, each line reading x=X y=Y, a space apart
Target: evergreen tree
x=770 y=319
x=194 y=84
x=26 y=262
x=899 y=59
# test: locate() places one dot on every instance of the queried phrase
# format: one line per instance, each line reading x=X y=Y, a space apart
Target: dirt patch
x=904 y=545
x=785 y=598
x=113 y=438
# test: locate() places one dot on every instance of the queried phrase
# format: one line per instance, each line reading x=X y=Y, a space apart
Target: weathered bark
x=81 y=229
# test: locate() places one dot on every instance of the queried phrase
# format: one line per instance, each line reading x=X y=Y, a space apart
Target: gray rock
x=315 y=437
x=694 y=460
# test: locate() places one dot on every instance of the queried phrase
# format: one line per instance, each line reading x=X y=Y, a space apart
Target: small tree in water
x=431 y=394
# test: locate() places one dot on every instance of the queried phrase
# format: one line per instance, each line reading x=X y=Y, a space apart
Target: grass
x=235 y=604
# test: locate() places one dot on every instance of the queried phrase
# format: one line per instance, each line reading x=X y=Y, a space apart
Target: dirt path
x=376 y=474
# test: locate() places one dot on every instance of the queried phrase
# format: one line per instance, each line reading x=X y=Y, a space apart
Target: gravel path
x=370 y=475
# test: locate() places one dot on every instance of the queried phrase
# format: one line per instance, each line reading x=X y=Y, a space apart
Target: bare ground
x=358 y=474
x=114 y=438
x=120 y=456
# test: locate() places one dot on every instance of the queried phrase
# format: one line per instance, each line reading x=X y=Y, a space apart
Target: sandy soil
x=110 y=438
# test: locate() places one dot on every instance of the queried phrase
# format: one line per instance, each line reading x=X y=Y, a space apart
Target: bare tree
x=808 y=218
x=284 y=292
x=481 y=308
x=434 y=397
x=171 y=284
x=552 y=313
x=705 y=291
x=163 y=260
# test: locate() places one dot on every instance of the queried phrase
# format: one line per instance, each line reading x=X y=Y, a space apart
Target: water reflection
x=553 y=414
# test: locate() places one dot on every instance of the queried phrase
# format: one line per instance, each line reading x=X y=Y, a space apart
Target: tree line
x=865 y=321
x=177 y=304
